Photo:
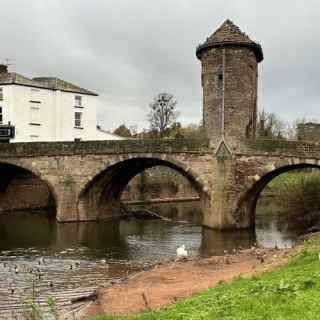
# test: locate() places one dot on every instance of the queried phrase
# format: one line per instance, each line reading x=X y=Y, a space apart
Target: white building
x=48 y=109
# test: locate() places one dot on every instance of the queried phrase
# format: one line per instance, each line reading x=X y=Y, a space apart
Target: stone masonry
x=158 y=183
x=228 y=170
x=309 y=131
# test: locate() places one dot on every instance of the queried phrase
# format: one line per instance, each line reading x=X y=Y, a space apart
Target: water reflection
x=74 y=252
x=148 y=239
x=277 y=227
x=215 y=242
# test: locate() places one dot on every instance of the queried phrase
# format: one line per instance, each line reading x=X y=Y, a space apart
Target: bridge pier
x=222 y=211
x=66 y=201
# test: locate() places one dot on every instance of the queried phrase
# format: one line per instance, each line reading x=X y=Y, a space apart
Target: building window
x=1 y=94
x=77 y=139
x=34 y=137
x=78 y=101
x=35 y=96
x=1 y=116
x=35 y=116
x=78 y=119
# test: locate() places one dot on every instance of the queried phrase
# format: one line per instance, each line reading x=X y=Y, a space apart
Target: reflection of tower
x=215 y=242
x=229 y=60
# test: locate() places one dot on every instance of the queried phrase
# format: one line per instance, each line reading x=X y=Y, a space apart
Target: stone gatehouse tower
x=229 y=60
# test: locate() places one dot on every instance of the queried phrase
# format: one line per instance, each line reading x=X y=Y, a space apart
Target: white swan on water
x=182 y=252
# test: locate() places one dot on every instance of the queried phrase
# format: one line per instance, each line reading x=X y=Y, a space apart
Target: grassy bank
x=290 y=292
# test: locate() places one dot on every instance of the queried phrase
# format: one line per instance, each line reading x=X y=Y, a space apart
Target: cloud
x=128 y=51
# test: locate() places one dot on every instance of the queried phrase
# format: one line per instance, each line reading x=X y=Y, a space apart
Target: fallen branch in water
x=142 y=213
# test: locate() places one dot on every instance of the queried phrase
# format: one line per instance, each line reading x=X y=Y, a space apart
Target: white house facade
x=47 y=109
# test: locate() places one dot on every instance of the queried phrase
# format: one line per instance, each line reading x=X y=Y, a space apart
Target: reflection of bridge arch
x=249 y=201
x=100 y=197
x=13 y=170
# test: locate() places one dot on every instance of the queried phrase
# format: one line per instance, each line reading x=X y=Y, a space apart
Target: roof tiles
x=230 y=34
x=49 y=83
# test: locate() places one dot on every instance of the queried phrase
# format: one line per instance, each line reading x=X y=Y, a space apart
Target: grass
x=290 y=292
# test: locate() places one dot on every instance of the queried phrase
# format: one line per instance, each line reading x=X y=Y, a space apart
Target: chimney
x=3 y=68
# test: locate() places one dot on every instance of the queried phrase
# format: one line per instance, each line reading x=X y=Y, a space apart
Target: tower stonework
x=229 y=60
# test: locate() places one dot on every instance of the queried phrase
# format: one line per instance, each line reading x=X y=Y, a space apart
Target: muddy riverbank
x=165 y=283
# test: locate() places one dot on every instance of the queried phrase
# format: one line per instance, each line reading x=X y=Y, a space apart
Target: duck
x=182 y=252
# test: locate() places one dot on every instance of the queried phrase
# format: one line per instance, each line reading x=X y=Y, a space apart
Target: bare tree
x=162 y=114
x=270 y=126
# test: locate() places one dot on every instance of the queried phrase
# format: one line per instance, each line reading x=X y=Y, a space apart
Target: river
x=75 y=258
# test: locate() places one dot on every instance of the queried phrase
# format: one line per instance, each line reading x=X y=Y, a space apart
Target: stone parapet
x=8 y=150
x=289 y=148
x=309 y=131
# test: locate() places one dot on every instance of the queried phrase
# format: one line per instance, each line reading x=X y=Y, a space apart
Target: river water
x=73 y=259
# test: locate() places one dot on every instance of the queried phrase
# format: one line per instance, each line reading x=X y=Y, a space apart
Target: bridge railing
x=297 y=148
x=104 y=147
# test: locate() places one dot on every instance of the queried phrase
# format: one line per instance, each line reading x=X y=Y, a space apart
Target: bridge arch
x=13 y=170
x=99 y=198
x=247 y=204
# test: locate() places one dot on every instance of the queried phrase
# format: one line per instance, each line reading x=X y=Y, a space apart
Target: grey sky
x=130 y=50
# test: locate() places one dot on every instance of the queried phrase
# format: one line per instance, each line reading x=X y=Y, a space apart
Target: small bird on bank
x=182 y=253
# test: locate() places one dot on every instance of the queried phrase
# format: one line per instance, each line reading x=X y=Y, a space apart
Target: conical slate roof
x=229 y=34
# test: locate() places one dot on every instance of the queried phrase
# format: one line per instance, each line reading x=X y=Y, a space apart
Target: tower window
x=220 y=77
x=1 y=115
x=1 y=94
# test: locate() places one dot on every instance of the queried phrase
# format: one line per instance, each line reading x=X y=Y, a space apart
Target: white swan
x=182 y=252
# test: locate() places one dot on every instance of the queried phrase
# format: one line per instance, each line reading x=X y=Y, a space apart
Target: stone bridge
x=228 y=169
x=86 y=179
